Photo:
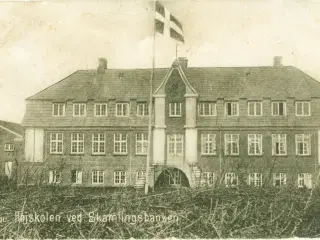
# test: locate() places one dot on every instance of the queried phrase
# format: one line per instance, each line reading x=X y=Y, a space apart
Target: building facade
x=236 y=125
x=11 y=150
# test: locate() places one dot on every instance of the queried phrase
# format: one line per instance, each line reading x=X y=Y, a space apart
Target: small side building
x=11 y=150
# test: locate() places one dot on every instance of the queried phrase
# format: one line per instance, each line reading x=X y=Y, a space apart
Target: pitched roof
x=209 y=82
x=15 y=128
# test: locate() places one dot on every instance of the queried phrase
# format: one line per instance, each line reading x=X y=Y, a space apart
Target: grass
x=190 y=213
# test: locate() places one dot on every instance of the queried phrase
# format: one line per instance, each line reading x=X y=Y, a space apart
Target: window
x=100 y=109
x=304 y=180
x=79 y=109
x=97 y=177
x=8 y=169
x=58 y=109
x=255 y=179
x=254 y=144
x=232 y=109
x=8 y=147
x=207 y=178
x=77 y=143
x=119 y=177
x=174 y=177
x=207 y=109
x=54 y=176
x=279 y=144
x=231 y=179
x=231 y=146
x=278 y=108
x=279 y=179
x=120 y=143
x=174 y=109
x=175 y=145
x=303 y=144
x=255 y=108
x=140 y=175
x=122 y=109
x=76 y=177
x=303 y=108
x=141 y=143
x=98 y=143
x=142 y=109
x=56 y=143
x=208 y=144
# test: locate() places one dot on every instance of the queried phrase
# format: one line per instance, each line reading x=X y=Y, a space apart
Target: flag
x=166 y=24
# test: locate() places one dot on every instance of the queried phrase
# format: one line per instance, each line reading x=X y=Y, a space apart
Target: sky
x=43 y=42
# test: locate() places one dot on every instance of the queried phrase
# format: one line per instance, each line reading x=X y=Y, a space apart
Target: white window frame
x=142 y=109
x=231 y=138
x=255 y=104
x=280 y=139
x=78 y=143
x=118 y=138
x=98 y=139
x=120 y=109
x=174 y=110
x=231 y=179
x=59 y=114
x=8 y=147
x=119 y=177
x=208 y=144
x=140 y=175
x=234 y=109
x=305 y=140
x=273 y=103
x=281 y=177
x=175 y=178
x=141 y=144
x=174 y=140
x=256 y=140
x=255 y=180
x=305 y=180
x=207 y=109
x=78 y=177
x=302 y=103
x=208 y=178
x=54 y=177
x=100 y=106
x=56 y=142
x=98 y=173
x=79 y=105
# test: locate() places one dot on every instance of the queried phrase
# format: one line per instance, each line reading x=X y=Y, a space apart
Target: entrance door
x=8 y=169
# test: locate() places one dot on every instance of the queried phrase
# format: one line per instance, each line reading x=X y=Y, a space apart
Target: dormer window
x=279 y=109
x=303 y=108
x=79 y=109
x=122 y=109
x=100 y=109
x=58 y=109
x=142 y=109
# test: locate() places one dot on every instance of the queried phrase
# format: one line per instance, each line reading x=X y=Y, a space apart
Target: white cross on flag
x=166 y=24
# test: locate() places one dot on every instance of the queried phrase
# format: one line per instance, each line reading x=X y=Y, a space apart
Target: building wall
x=14 y=156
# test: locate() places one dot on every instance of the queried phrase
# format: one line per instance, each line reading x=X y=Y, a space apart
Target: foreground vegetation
x=203 y=213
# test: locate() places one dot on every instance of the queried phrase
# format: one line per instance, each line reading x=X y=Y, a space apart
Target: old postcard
x=159 y=119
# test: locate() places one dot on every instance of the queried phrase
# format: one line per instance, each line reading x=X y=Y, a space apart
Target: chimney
x=183 y=61
x=277 y=61
x=103 y=65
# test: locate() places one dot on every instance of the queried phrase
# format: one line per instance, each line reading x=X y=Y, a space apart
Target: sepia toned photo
x=159 y=119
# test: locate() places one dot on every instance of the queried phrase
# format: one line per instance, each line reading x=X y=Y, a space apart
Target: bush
x=199 y=213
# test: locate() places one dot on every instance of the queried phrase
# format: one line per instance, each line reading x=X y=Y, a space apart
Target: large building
x=11 y=148
x=238 y=125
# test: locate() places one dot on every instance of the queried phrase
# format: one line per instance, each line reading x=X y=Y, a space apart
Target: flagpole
x=146 y=189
